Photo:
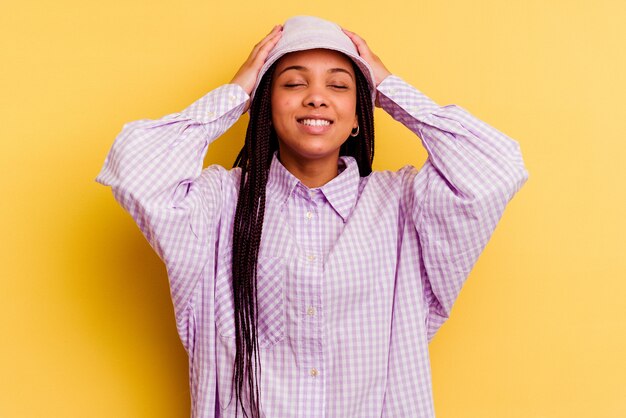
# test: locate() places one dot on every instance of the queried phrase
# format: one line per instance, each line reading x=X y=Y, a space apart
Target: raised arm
x=155 y=171
x=460 y=193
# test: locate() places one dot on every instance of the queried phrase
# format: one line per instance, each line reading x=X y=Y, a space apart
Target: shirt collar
x=341 y=192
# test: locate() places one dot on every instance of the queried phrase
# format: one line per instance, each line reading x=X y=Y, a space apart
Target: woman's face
x=313 y=104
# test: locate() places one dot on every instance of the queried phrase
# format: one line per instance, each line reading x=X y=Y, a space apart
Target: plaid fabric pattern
x=354 y=277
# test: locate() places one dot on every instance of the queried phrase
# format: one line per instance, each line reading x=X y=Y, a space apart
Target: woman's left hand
x=380 y=71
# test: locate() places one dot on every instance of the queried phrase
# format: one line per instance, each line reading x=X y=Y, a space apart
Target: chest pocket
x=270 y=299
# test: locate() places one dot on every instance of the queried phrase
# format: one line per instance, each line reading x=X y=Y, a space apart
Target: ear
x=356 y=122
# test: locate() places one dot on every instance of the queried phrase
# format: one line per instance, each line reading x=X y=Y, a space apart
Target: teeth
x=315 y=122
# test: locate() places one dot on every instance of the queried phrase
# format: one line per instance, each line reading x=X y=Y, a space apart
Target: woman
x=303 y=283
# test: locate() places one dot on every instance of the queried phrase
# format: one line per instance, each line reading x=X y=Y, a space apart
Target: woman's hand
x=247 y=74
x=380 y=71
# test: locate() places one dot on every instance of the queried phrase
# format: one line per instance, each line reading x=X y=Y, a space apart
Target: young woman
x=303 y=283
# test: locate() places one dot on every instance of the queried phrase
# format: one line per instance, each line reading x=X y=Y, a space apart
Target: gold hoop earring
x=353 y=134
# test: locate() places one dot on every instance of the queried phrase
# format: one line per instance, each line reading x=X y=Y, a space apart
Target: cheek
x=349 y=110
x=286 y=103
x=282 y=109
x=349 y=104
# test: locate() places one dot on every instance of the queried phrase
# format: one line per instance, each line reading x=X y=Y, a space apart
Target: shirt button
x=310 y=311
x=311 y=257
x=211 y=114
x=314 y=372
x=309 y=215
x=232 y=98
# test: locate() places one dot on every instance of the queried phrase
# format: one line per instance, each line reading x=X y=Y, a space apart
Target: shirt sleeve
x=154 y=168
x=457 y=198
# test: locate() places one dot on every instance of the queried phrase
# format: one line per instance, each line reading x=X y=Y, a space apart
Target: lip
x=315 y=117
x=314 y=130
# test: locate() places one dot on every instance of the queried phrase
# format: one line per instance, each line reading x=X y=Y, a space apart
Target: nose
x=315 y=97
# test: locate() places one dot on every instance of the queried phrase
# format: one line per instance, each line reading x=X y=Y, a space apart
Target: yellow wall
x=86 y=323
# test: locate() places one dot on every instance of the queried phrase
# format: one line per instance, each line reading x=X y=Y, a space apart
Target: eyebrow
x=330 y=70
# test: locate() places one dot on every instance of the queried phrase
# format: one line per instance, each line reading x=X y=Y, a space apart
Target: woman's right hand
x=247 y=74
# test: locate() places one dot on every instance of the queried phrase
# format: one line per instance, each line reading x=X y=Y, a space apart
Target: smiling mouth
x=315 y=122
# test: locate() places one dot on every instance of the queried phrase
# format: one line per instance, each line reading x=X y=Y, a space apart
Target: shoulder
x=393 y=178
x=215 y=173
x=216 y=181
x=391 y=184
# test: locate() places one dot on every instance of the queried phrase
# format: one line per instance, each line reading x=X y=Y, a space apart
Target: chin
x=314 y=147
x=317 y=154
x=312 y=153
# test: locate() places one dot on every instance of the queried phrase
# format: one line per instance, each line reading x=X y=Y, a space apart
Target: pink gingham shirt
x=354 y=277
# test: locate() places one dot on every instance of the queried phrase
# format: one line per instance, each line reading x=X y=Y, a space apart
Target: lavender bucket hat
x=308 y=32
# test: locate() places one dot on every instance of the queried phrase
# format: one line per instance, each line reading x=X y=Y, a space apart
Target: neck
x=312 y=173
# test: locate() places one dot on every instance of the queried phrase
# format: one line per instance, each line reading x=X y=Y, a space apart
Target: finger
x=354 y=36
x=276 y=31
x=268 y=43
x=264 y=51
x=359 y=42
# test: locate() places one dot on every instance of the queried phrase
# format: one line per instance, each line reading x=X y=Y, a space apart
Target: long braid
x=254 y=159
x=361 y=147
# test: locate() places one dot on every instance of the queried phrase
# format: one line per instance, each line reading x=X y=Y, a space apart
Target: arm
x=154 y=169
x=459 y=195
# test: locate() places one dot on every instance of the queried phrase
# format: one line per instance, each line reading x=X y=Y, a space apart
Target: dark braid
x=254 y=159
x=361 y=147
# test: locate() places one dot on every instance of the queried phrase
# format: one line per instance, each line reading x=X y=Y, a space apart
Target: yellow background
x=86 y=322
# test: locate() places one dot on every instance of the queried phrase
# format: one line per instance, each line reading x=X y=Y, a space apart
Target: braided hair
x=254 y=159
